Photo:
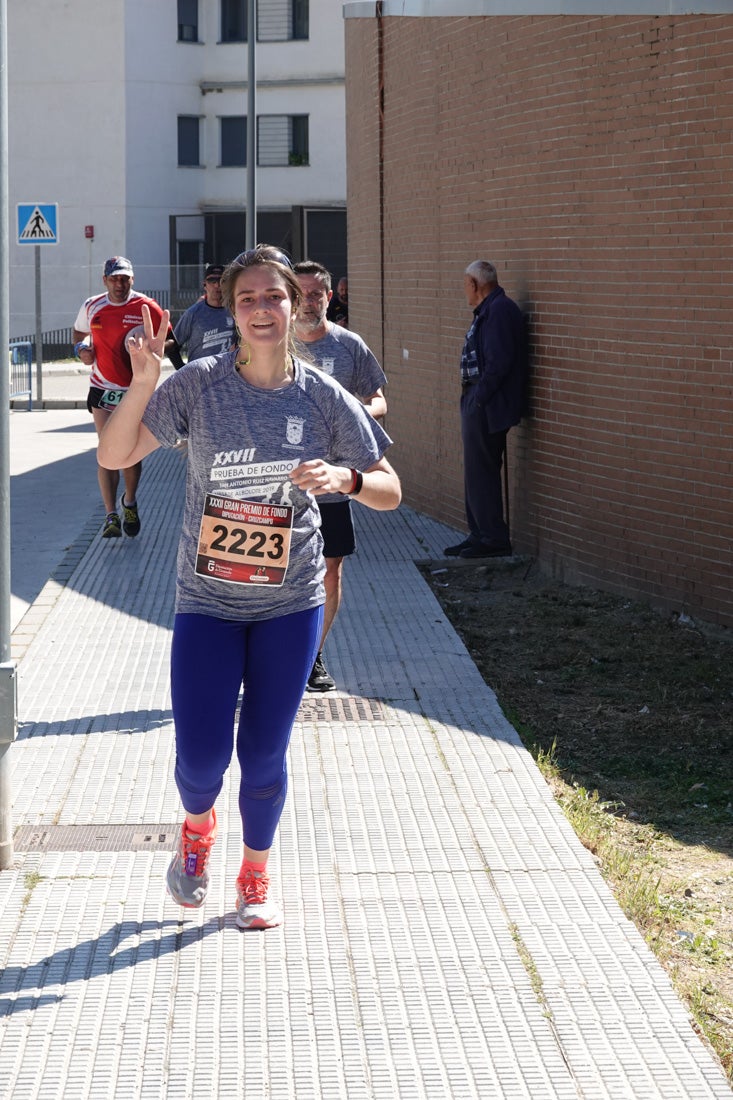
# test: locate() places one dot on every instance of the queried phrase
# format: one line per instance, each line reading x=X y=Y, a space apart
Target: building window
x=234 y=20
x=282 y=140
x=233 y=131
x=282 y=20
x=188 y=140
x=190 y=264
x=300 y=18
x=188 y=20
x=277 y=20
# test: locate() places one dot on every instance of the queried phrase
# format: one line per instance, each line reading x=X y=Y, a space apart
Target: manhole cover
x=334 y=708
x=95 y=838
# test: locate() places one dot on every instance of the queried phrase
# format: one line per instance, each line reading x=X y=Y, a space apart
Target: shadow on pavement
x=98 y=957
x=126 y=721
x=56 y=518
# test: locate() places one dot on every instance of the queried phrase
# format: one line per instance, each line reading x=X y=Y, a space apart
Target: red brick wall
x=591 y=159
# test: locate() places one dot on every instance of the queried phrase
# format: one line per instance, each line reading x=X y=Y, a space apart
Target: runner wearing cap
x=100 y=331
x=206 y=328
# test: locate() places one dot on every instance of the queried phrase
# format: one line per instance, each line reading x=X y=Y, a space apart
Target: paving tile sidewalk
x=445 y=936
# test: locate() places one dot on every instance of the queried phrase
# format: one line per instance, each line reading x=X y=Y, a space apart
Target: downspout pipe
x=380 y=78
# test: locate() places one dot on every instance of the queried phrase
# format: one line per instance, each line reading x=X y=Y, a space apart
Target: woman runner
x=267 y=434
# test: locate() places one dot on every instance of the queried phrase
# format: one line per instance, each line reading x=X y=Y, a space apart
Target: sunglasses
x=213 y=279
x=263 y=253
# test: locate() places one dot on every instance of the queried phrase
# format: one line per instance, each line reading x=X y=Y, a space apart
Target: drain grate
x=95 y=838
x=334 y=708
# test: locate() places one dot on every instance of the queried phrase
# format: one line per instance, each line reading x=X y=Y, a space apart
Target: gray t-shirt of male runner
x=343 y=355
x=204 y=330
x=243 y=442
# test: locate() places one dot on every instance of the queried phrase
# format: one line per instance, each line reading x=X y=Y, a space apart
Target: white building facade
x=131 y=115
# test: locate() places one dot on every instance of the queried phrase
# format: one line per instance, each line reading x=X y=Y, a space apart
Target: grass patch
x=629 y=714
x=30 y=881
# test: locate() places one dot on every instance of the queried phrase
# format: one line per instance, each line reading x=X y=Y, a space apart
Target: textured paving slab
x=52 y=459
x=446 y=935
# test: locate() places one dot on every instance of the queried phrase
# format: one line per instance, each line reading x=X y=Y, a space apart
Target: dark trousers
x=483 y=453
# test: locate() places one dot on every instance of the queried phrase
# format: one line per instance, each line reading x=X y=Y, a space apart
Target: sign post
x=38 y=225
x=8 y=695
x=250 y=228
x=89 y=235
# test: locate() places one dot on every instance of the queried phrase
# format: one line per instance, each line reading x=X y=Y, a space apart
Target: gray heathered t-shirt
x=242 y=443
x=343 y=355
x=204 y=330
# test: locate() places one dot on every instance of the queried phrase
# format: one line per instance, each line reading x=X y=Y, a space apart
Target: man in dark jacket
x=493 y=382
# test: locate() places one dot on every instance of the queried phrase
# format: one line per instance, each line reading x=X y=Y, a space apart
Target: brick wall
x=591 y=159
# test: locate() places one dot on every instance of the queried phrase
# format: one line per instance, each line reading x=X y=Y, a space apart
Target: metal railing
x=21 y=370
x=57 y=344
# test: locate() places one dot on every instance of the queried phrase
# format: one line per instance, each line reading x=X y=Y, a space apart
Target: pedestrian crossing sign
x=38 y=223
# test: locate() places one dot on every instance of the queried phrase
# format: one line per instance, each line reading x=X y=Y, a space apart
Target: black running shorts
x=337 y=528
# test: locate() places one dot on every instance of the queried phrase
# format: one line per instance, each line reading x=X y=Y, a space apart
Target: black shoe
x=454 y=551
x=130 y=518
x=319 y=679
x=483 y=550
x=111 y=529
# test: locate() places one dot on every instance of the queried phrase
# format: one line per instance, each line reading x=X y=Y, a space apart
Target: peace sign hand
x=147 y=347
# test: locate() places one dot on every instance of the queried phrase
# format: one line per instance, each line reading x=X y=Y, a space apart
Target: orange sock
x=202 y=830
x=250 y=865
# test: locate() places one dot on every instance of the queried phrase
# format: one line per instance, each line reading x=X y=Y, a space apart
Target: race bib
x=244 y=542
x=110 y=399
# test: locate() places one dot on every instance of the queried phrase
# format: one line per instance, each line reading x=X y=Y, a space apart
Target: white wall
x=66 y=111
x=162 y=83
x=95 y=88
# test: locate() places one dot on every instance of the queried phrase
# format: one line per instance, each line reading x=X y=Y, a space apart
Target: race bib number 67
x=244 y=542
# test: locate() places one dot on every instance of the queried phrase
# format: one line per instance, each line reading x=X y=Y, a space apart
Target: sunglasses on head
x=263 y=253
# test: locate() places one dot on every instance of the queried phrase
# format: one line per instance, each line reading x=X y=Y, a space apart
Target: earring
x=244 y=362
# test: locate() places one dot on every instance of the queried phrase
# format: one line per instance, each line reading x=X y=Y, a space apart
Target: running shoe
x=188 y=877
x=130 y=518
x=111 y=529
x=254 y=908
x=320 y=679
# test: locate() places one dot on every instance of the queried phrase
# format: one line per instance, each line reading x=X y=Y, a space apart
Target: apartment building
x=130 y=116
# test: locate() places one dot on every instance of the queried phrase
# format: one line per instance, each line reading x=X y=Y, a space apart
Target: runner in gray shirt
x=267 y=435
x=342 y=355
x=206 y=328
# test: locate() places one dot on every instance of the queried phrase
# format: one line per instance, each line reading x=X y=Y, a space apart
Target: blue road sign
x=38 y=223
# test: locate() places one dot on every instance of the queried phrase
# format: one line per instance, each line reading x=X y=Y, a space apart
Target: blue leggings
x=210 y=659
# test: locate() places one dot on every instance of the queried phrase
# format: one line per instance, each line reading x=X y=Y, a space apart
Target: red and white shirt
x=109 y=325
